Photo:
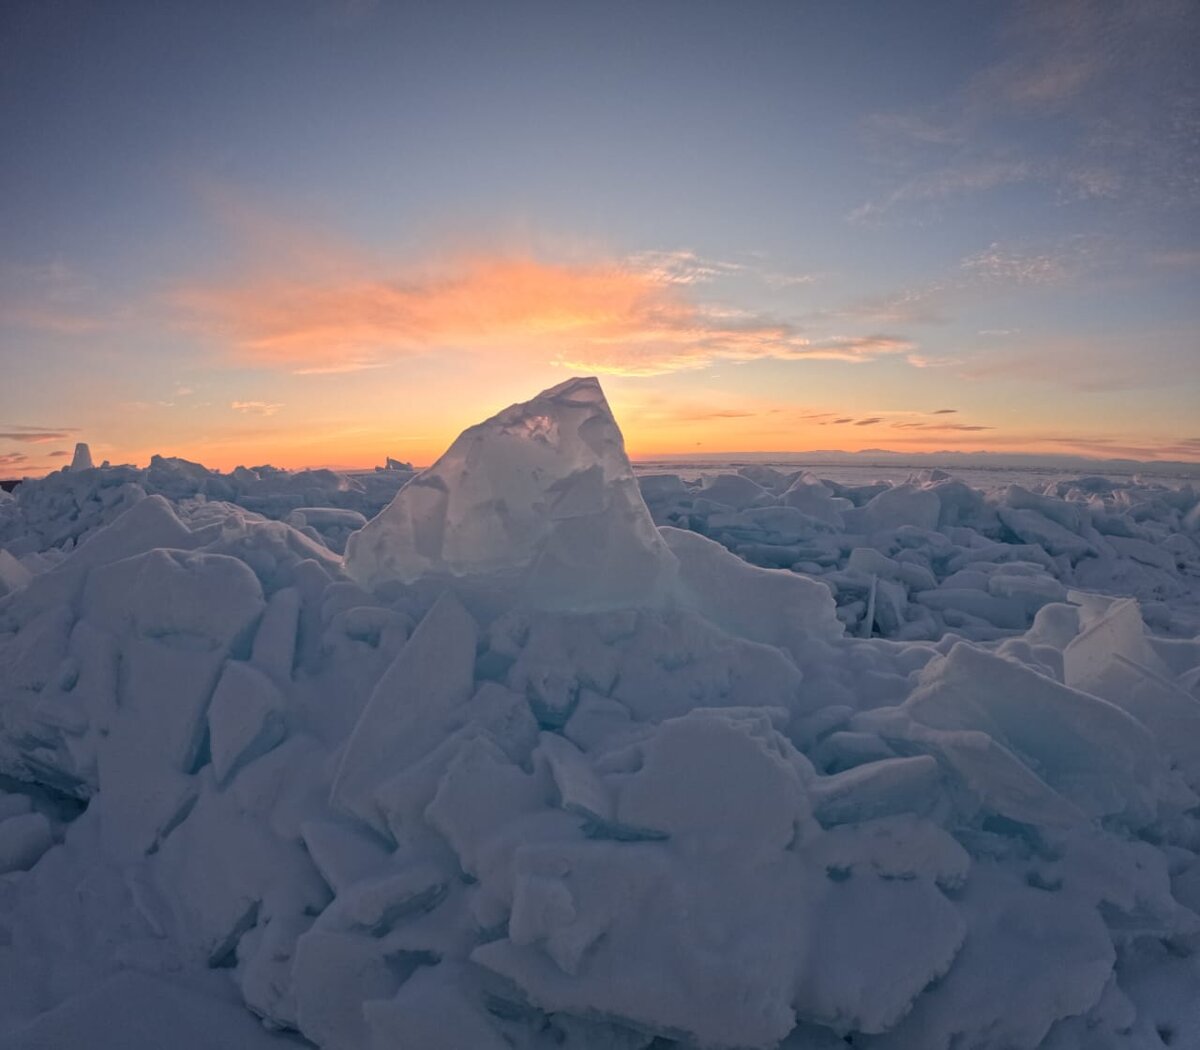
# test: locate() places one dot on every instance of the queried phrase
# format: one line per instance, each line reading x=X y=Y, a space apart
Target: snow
x=758 y=761
x=23 y=839
x=409 y=710
x=246 y=718
x=133 y=1009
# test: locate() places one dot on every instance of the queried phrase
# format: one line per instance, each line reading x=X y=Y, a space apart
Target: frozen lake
x=978 y=477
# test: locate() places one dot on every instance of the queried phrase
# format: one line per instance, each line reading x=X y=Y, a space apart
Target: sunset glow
x=380 y=233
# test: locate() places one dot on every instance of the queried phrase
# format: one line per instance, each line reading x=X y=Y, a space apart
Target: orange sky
x=236 y=235
x=325 y=356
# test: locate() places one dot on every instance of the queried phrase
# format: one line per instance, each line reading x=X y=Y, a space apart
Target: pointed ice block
x=540 y=500
x=83 y=457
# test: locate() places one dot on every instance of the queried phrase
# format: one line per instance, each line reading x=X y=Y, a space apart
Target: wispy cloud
x=1103 y=363
x=997 y=268
x=612 y=317
x=940 y=427
x=1180 y=259
x=54 y=298
x=12 y=459
x=789 y=280
x=681 y=267
x=869 y=422
x=1112 y=80
x=944 y=411
x=996 y=263
x=256 y=408
x=36 y=435
x=971 y=176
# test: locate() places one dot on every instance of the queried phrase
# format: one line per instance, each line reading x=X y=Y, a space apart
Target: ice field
x=529 y=751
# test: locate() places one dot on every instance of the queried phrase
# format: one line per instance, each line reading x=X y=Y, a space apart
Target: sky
x=322 y=232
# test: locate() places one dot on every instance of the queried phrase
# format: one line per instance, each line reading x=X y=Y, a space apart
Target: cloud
x=845 y=419
x=340 y=368
x=1100 y=363
x=871 y=421
x=1114 y=448
x=11 y=459
x=59 y=454
x=36 y=435
x=962 y=178
x=911 y=306
x=54 y=298
x=789 y=280
x=998 y=264
x=256 y=408
x=1091 y=100
x=681 y=267
x=944 y=411
x=613 y=318
x=1184 y=259
x=998 y=267
x=912 y=128
x=941 y=427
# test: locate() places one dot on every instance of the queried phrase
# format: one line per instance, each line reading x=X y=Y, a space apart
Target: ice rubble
x=525 y=771
x=916 y=560
x=51 y=516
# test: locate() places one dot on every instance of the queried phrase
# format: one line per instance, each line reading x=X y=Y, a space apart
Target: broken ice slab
x=539 y=501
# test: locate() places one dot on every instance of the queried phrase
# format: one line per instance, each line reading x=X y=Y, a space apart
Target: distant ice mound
x=540 y=498
x=82 y=460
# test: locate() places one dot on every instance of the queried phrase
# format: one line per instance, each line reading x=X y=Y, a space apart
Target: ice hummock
x=540 y=498
x=690 y=813
x=82 y=460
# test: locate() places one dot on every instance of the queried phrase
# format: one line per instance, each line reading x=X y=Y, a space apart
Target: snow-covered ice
x=558 y=756
x=541 y=498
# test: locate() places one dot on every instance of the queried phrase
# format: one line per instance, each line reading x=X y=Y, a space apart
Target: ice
x=667 y=947
x=1056 y=960
x=580 y=790
x=732 y=490
x=274 y=650
x=408 y=711
x=343 y=853
x=712 y=782
x=877 y=789
x=901 y=846
x=777 y=608
x=1087 y=749
x=135 y=1010
x=434 y=1011
x=82 y=460
x=540 y=498
x=1033 y=527
x=246 y=718
x=914 y=932
x=23 y=839
x=902 y=505
x=815 y=500
x=13 y=575
x=760 y=760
